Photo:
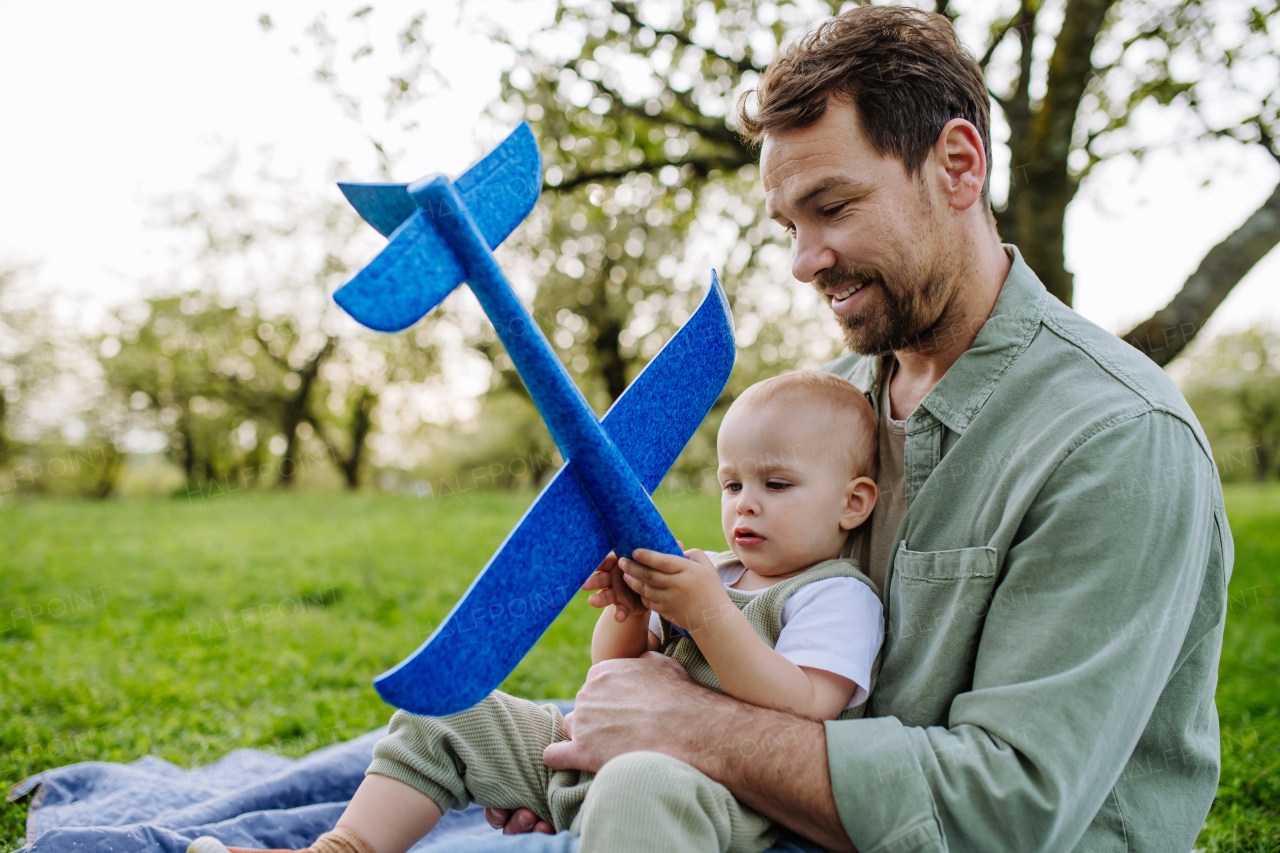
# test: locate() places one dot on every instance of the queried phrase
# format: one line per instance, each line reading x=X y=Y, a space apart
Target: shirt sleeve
x=1091 y=616
x=835 y=625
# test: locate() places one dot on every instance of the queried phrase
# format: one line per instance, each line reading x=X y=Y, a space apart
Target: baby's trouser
x=640 y=801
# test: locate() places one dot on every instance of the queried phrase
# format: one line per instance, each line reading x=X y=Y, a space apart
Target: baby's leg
x=643 y=801
x=384 y=816
x=388 y=815
x=490 y=754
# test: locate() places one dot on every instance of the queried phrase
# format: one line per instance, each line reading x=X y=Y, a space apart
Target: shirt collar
x=965 y=387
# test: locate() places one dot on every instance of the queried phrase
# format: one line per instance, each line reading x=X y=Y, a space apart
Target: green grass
x=189 y=628
x=1246 y=813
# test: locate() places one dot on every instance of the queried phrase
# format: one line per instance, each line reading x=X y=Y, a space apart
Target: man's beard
x=912 y=310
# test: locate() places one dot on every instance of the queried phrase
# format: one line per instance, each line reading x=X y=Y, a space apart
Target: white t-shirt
x=836 y=625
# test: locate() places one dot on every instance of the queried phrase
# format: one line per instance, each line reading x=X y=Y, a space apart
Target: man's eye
x=790 y=229
x=833 y=210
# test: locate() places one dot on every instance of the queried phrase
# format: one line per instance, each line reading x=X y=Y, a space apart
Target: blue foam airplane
x=441 y=234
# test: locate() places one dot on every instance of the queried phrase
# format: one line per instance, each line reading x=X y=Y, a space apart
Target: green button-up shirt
x=1054 y=604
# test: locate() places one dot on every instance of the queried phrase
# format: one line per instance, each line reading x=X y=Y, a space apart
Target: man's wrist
x=688 y=741
x=754 y=743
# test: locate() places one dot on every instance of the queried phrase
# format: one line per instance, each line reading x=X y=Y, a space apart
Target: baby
x=779 y=620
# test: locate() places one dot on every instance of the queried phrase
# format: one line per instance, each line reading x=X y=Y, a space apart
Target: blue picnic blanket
x=248 y=798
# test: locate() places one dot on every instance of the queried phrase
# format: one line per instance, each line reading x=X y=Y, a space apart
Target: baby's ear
x=860 y=495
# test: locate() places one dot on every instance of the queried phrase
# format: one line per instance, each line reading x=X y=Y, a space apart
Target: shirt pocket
x=937 y=605
x=956 y=564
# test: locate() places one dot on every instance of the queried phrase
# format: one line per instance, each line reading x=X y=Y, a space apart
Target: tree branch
x=701 y=166
x=629 y=11
x=998 y=32
x=711 y=130
x=1266 y=139
x=282 y=362
x=696 y=120
x=1167 y=332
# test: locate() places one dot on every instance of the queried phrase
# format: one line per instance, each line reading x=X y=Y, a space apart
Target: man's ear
x=962 y=163
x=859 y=499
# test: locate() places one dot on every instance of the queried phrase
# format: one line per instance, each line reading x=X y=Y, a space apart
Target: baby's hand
x=686 y=590
x=613 y=589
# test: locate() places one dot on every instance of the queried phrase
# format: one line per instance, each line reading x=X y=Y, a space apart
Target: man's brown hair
x=904 y=71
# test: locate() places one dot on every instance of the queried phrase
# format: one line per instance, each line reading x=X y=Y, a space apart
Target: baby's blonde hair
x=840 y=399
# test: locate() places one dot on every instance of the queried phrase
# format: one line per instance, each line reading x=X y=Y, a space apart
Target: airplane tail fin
x=384 y=206
x=499 y=191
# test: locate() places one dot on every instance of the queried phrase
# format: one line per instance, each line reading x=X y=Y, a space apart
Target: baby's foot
x=340 y=840
x=209 y=844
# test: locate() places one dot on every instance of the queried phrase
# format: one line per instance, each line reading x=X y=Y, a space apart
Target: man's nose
x=810 y=254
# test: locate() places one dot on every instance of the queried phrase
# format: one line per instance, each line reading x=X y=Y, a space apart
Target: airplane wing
x=499 y=191
x=560 y=540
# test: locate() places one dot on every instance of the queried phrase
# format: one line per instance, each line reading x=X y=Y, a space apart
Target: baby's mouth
x=746 y=536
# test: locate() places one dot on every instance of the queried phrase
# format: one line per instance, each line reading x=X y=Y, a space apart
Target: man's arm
x=1094 y=612
x=774 y=762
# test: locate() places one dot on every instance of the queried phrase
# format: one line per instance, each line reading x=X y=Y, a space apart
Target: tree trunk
x=4 y=441
x=101 y=487
x=1041 y=185
x=361 y=426
x=361 y=423
x=1167 y=332
x=186 y=453
x=608 y=349
x=1040 y=211
x=295 y=410
x=289 y=461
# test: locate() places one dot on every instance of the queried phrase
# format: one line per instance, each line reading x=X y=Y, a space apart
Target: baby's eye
x=777 y=485
x=732 y=487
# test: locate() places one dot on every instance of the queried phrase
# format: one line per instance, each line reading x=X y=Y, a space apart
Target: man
x=1051 y=545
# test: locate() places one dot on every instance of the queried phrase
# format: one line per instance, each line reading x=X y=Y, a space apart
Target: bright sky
x=107 y=109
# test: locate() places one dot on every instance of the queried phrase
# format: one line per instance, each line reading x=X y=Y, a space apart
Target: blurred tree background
x=1234 y=386
x=238 y=372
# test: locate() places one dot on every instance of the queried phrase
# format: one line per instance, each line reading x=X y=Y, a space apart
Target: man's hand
x=597 y=723
x=625 y=706
x=685 y=590
x=612 y=589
